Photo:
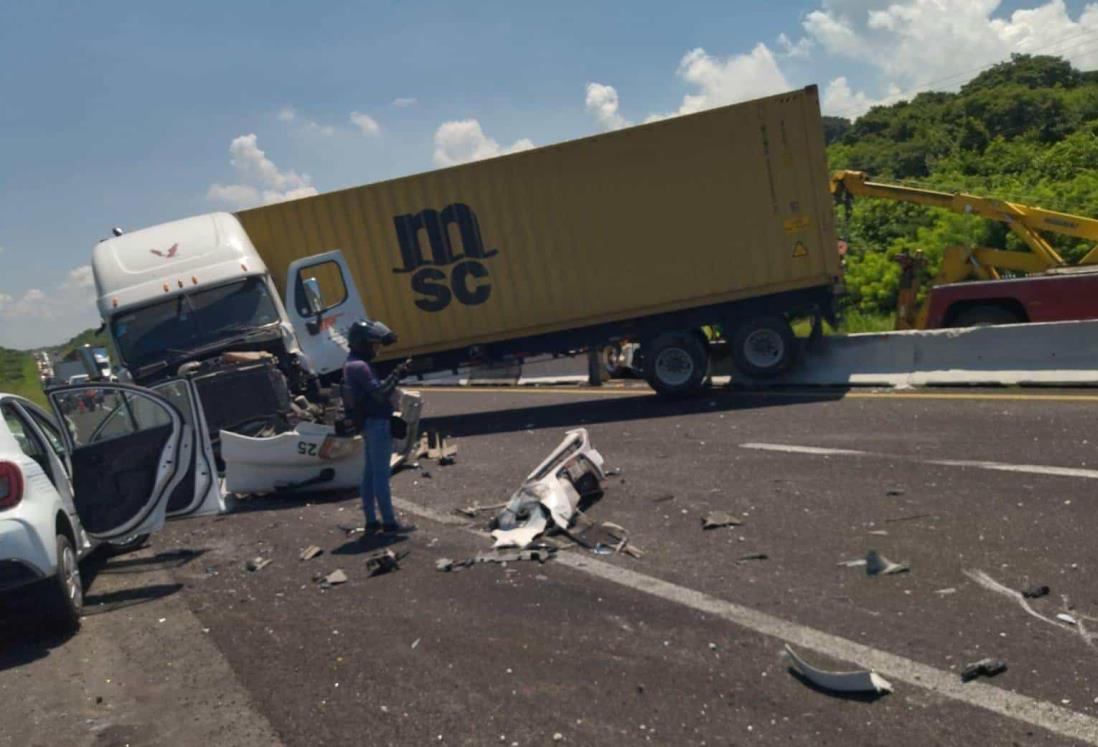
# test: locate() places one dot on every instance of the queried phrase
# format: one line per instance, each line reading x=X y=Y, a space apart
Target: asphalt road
x=678 y=647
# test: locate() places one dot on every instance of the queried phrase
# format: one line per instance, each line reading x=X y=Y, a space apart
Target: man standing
x=370 y=407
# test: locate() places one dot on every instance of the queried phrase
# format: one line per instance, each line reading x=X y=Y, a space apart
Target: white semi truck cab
x=193 y=297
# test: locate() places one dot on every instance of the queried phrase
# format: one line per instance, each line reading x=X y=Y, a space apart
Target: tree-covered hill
x=1024 y=130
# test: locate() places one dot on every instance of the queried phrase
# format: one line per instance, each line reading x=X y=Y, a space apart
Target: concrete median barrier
x=1060 y=353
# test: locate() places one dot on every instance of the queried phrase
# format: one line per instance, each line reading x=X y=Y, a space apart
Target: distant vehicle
x=78 y=379
x=110 y=475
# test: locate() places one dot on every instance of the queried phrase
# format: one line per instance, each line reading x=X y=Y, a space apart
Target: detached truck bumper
x=309 y=457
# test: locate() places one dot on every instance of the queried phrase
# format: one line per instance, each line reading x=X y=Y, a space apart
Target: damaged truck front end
x=194 y=299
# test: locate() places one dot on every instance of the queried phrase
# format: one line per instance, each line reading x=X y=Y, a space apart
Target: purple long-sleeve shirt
x=360 y=380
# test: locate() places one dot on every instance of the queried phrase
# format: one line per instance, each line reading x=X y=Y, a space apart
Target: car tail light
x=11 y=485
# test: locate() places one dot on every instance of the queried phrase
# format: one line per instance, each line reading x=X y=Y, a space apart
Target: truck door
x=322 y=302
x=129 y=449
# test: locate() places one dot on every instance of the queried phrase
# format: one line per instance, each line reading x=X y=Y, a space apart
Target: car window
x=25 y=437
x=94 y=415
x=53 y=436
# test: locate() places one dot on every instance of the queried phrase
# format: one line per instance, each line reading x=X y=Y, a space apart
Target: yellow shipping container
x=683 y=214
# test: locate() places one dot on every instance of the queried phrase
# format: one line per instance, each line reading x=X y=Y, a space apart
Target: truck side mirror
x=313 y=295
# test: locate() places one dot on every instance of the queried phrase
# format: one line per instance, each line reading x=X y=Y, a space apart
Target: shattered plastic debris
x=552 y=492
x=878 y=565
x=384 y=561
x=857 y=681
x=1065 y=617
x=754 y=556
x=257 y=564
x=984 y=668
x=856 y=563
x=310 y=552
x=1036 y=591
x=716 y=519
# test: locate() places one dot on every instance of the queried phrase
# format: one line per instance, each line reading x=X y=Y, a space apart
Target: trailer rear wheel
x=763 y=347
x=675 y=363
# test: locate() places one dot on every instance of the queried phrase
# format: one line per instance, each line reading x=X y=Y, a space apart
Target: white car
x=125 y=459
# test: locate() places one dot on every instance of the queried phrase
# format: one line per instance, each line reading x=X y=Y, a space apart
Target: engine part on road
x=858 y=681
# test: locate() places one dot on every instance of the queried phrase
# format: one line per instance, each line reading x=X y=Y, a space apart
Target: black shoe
x=372 y=527
x=397 y=528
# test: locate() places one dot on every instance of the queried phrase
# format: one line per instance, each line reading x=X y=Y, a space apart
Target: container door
x=129 y=450
x=322 y=302
x=199 y=495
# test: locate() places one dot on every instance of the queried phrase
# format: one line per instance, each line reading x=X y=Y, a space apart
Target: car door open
x=130 y=450
x=322 y=302
x=200 y=493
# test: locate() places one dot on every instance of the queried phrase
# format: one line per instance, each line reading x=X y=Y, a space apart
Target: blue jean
x=378 y=444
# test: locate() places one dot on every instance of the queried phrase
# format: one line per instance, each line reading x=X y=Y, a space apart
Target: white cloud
x=942 y=43
x=602 y=103
x=795 y=50
x=260 y=179
x=839 y=100
x=463 y=141
x=60 y=311
x=365 y=123
x=403 y=102
x=290 y=115
x=727 y=80
x=287 y=114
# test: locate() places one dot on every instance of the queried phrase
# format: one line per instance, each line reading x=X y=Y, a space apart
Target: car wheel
x=65 y=591
x=676 y=363
x=985 y=314
x=763 y=347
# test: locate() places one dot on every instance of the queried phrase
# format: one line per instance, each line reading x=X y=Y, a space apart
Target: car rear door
x=130 y=451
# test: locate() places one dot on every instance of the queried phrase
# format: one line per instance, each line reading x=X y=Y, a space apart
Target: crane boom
x=1024 y=220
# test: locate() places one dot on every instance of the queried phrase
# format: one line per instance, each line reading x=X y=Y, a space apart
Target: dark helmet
x=364 y=333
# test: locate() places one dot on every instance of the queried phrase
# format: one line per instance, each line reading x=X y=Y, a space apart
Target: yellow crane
x=962 y=262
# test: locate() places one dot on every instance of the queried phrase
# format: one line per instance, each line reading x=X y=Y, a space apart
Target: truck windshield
x=190 y=321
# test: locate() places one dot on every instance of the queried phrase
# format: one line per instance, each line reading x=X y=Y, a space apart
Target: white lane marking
x=1043 y=714
x=1033 y=469
x=805 y=449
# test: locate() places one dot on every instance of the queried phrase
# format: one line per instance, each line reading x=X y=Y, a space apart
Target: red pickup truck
x=1059 y=295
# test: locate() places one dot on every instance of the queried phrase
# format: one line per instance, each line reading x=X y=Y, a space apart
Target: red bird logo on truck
x=166 y=255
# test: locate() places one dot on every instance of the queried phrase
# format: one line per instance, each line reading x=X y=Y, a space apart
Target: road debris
x=717 y=519
x=257 y=564
x=753 y=556
x=894 y=492
x=310 y=552
x=334 y=578
x=476 y=509
x=384 y=561
x=878 y=565
x=1036 y=591
x=983 y=668
x=540 y=554
x=878 y=532
x=912 y=517
x=861 y=680
x=664 y=498
x=433 y=445
x=415 y=643
x=552 y=492
x=856 y=563
x=944 y=592
x=1075 y=625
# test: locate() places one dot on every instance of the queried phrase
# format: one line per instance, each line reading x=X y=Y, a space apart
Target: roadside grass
x=19 y=375
x=852 y=322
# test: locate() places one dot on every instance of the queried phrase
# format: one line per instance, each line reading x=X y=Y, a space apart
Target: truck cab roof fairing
x=149 y=264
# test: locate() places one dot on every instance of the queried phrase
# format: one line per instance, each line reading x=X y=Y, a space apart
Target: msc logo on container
x=446 y=275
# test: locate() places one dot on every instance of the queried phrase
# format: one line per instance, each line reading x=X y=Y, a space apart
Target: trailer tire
x=763 y=346
x=675 y=363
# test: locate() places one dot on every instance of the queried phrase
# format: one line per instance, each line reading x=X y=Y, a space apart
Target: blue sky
x=132 y=114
